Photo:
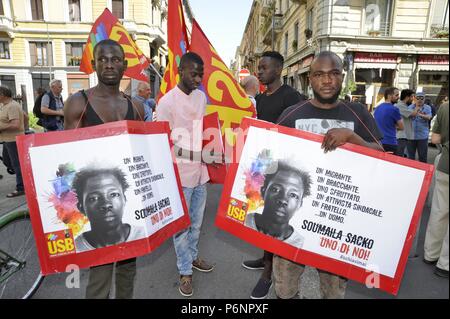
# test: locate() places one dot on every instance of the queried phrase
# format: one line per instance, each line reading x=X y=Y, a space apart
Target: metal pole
x=273 y=29
x=48 y=54
x=157 y=72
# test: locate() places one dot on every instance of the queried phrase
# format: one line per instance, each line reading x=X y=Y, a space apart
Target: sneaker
x=254 y=264
x=185 y=287
x=441 y=272
x=261 y=289
x=201 y=265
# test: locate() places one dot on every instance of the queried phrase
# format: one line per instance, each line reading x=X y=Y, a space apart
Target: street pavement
x=157 y=275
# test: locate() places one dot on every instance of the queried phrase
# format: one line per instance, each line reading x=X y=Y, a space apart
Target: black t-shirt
x=270 y=107
x=309 y=118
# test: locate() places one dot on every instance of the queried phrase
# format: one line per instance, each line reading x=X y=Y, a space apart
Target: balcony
x=267 y=7
x=439 y=32
x=6 y=25
x=277 y=26
x=383 y=30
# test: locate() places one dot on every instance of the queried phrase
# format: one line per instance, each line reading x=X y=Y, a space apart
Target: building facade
x=42 y=40
x=402 y=43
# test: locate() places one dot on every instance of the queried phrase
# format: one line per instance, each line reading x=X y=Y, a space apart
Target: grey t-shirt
x=408 y=131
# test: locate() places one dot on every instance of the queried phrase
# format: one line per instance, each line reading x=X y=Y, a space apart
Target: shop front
x=77 y=82
x=433 y=76
x=303 y=75
x=373 y=73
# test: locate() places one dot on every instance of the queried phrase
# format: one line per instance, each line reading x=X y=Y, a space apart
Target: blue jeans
x=186 y=241
x=11 y=147
x=421 y=146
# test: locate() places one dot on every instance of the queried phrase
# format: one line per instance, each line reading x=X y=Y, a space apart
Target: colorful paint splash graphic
x=64 y=199
x=254 y=179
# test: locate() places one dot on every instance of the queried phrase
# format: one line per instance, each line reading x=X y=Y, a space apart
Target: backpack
x=37 y=107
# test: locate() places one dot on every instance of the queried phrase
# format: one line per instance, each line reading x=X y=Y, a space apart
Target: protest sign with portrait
x=101 y=194
x=353 y=211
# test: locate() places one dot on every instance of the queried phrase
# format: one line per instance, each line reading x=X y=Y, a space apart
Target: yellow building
x=402 y=43
x=44 y=39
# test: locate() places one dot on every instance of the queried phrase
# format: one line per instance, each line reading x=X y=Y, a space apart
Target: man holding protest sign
x=184 y=107
x=354 y=125
x=102 y=104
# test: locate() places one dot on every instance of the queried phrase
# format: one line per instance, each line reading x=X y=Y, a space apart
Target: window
x=440 y=16
x=117 y=8
x=4 y=50
x=1 y=9
x=41 y=54
x=309 y=19
x=74 y=10
x=40 y=80
x=295 y=44
x=280 y=6
x=37 y=13
x=378 y=16
x=286 y=45
x=10 y=82
x=74 y=52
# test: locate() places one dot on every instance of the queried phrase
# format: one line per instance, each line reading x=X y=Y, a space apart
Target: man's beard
x=330 y=100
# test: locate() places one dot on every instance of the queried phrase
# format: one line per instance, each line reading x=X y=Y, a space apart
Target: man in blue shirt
x=419 y=143
x=389 y=120
x=143 y=95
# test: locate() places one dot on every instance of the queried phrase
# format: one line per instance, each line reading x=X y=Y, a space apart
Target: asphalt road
x=158 y=277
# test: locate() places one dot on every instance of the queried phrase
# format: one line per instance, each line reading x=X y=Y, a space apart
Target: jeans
x=421 y=146
x=186 y=241
x=14 y=158
x=402 y=142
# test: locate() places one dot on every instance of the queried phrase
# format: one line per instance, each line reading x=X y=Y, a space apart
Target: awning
x=433 y=67
x=368 y=65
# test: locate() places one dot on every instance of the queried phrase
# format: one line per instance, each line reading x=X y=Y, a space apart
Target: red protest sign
x=333 y=211
x=92 y=204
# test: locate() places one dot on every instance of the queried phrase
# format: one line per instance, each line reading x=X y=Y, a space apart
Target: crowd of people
x=401 y=122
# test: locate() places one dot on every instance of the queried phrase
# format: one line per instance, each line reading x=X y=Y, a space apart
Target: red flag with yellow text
x=225 y=95
x=178 y=44
x=107 y=26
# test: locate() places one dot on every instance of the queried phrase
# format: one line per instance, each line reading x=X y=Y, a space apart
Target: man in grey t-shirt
x=406 y=99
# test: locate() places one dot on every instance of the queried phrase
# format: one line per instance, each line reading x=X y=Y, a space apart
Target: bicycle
x=20 y=275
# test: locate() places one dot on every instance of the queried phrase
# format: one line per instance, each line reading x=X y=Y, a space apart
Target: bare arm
x=399 y=125
x=12 y=125
x=435 y=138
x=73 y=110
x=339 y=136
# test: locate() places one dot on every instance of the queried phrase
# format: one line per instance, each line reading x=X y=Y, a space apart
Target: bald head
x=330 y=56
x=250 y=84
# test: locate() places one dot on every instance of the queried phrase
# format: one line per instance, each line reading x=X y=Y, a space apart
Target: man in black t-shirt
x=269 y=105
x=340 y=123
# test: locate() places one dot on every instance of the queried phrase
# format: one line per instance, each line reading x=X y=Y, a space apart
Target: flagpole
x=154 y=69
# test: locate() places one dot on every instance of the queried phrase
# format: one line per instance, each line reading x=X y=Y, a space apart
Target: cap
x=420 y=94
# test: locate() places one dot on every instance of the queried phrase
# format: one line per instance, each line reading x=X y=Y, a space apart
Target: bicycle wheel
x=20 y=273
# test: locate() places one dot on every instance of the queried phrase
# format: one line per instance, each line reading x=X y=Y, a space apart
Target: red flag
x=225 y=95
x=178 y=44
x=107 y=26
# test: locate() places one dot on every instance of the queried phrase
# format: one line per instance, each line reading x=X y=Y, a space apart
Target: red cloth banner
x=212 y=141
x=92 y=204
x=107 y=26
x=225 y=95
x=333 y=211
x=178 y=44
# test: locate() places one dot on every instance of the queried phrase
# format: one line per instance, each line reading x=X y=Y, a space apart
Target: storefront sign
x=433 y=59
x=375 y=57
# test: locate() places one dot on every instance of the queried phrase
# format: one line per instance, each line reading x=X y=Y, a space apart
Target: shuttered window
x=74 y=10
x=117 y=8
x=37 y=13
x=41 y=54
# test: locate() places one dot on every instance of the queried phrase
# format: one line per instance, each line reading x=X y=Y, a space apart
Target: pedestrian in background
x=52 y=107
x=389 y=120
x=403 y=136
x=250 y=84
x=11 y=125
x=143 y=96
x=436 y=238
x=419 y=142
